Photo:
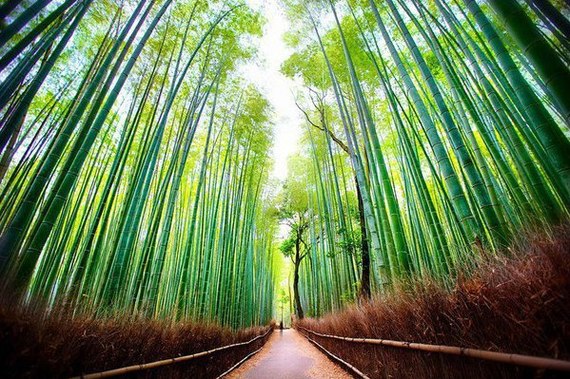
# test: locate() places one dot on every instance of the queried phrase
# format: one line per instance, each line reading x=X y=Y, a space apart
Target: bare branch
x=307 y=116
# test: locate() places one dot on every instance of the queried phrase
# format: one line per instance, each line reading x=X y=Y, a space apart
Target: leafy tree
x=294 y=213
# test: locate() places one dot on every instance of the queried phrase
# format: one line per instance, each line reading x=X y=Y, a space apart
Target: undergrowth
x=33 y=345
x=515 y=304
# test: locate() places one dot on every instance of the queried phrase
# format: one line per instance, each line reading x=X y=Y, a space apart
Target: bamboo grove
x=131 y=156
x=435 y=132
x=135 y=158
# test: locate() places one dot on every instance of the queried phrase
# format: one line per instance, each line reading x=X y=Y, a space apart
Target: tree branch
x=322 y=128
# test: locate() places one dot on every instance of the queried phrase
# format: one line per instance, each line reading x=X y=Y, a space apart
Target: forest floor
x=517 y=302
x=288 y=355
x=36 y=345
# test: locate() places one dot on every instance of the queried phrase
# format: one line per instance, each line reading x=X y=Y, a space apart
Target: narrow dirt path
x=288 y=355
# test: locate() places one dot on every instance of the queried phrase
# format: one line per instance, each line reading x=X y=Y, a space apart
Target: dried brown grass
x=519 y=304
x=35 y=346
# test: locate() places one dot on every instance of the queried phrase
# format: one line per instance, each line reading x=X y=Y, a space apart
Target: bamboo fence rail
x=239 y=363
x=515 y=359
x=165 y=362
x=338 y=359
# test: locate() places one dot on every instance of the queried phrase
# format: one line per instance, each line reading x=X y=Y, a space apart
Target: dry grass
x=34 y=346
x=519 y=304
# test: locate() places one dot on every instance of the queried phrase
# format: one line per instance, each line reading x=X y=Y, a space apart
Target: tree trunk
x=298 y=307
x=364 y=293
x=553 y=15
x=7 y=8
x=9 y=151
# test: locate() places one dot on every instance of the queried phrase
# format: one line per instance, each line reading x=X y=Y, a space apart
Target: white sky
x=277 y=88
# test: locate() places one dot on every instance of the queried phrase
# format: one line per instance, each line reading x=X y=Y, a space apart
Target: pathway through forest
x=288 y=355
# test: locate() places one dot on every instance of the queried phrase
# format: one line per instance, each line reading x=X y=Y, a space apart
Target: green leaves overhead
x=138 y=189
x=441 y=121
x=135 y=159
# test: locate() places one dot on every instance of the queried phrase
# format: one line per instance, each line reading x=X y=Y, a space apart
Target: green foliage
x=135 y=160
x=287 y=247
x=149 y=195
x=445 y=135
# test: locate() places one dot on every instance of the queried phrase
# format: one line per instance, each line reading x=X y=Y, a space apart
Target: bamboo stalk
x=515 y=359
x=165 y=362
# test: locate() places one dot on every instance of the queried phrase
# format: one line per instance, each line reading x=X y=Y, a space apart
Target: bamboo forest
x=348 y=188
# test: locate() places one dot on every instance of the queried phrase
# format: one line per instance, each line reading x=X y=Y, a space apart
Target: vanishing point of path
x=288 y=355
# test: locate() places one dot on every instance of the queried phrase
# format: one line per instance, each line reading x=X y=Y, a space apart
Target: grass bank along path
x=288 y=355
